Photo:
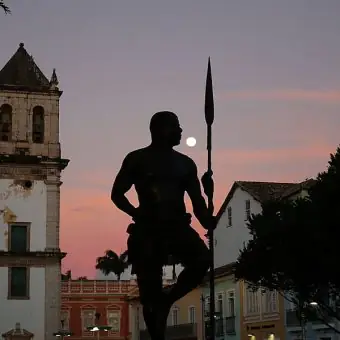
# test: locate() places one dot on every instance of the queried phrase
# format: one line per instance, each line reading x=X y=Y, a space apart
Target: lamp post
x=206 y=318
x=203 y=315
x=307 y=331
x=310 y=333
x=97 y=328
x=62 y=333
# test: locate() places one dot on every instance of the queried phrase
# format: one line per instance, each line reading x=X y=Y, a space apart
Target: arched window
x=5 y=123
x=38 y=125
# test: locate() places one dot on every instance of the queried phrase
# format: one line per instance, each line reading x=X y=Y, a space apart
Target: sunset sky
x=276 y=74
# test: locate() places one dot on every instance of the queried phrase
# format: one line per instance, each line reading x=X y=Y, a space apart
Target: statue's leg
x=147 y=264
x=146 y=253
x=191 y=251
x=149 y=278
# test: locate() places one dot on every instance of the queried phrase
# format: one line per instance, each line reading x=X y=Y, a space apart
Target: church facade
x=30 y=180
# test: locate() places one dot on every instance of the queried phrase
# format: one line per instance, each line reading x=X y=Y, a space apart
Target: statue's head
x=165 y=129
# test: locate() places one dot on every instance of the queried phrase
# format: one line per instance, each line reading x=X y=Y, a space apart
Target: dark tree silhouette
x=294 y=247
x=112 y=263
x=4 y=7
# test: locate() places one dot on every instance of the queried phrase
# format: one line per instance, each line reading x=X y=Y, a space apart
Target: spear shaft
x=209 y=118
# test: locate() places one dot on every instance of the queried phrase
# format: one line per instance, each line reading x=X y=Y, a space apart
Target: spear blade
x=209 y=98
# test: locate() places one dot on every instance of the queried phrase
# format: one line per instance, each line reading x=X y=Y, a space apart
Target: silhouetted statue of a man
x=161 y=227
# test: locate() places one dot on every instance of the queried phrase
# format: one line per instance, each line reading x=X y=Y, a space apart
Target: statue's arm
x=193 y=188
x=122 y=185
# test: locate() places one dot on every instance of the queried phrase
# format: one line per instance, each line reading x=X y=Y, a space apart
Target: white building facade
x=243 y=200
x=30 y=170
x=232 y=232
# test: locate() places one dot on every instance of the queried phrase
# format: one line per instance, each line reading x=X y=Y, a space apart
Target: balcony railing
x=292 y=319
x=183 y=331
x=223 y=326
x=93 y=287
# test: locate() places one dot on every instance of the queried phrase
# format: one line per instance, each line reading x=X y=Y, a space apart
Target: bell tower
x=30 y=180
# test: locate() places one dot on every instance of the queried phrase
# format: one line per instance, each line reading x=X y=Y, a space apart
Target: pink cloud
x=243 y=157
x=289 y=94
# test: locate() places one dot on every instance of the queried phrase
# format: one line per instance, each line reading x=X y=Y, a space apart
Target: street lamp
x=203 y=299
x=62 y=333
x=97 y=328
x=206 y=317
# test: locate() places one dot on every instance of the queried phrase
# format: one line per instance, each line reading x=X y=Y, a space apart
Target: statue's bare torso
x=161 y=179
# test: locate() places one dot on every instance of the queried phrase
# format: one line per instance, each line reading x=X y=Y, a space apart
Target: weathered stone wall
x=52 y=299
x=22 y=105
x=19 y=204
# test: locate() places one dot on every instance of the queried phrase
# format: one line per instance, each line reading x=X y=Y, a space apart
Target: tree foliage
x=4 y=7
x=113 y=263
x=67 y=276
x=294 y=245
x=82 y=278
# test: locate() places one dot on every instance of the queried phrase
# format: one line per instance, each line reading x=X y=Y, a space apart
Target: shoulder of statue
x=136 y=156
x=189 y=162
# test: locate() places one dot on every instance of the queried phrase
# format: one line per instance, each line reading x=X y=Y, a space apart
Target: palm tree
x=112 y=263
x=4 y=7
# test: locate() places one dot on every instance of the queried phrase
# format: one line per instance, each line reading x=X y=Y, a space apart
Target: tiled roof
x=225 y=270
x=264 y=191
x=18 y=332
x=222 y=271
x=22 y=73
x=305 y=185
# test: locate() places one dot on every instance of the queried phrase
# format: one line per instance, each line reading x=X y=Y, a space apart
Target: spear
x=209 y=119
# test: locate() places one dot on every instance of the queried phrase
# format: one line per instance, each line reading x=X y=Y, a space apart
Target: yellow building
x=262 y=314
x=184 y=322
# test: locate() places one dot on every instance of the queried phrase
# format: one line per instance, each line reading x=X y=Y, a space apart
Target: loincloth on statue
x=154 y=246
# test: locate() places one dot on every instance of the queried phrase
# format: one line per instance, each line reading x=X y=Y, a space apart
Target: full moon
x=191 y=141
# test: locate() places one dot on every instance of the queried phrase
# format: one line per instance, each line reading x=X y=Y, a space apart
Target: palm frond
x=111 y=254
x=124 y=256
x=112 y=263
